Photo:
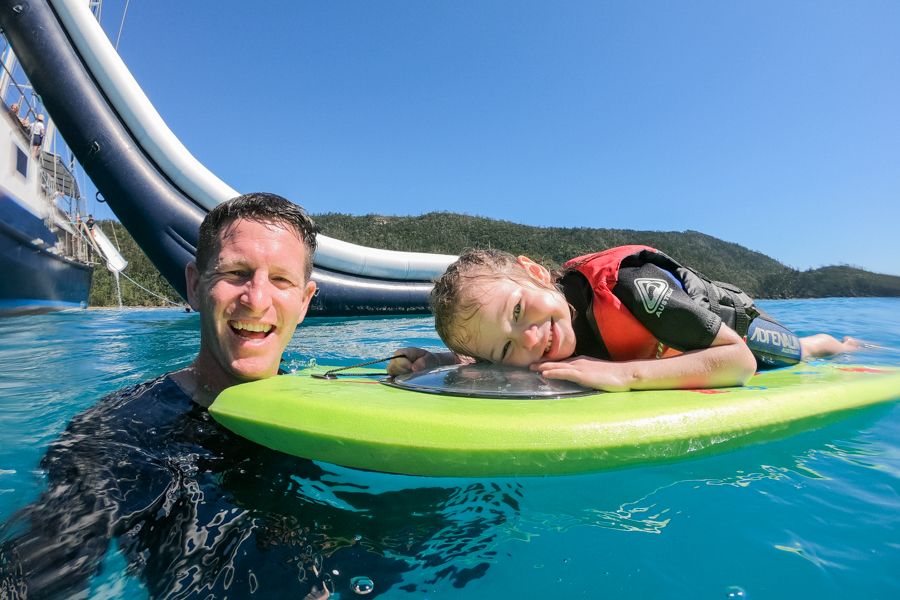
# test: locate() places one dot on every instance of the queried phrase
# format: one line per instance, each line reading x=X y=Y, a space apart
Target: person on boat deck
x=37 y=134
x=14 y=111
x=146 y=464
x=628 y=318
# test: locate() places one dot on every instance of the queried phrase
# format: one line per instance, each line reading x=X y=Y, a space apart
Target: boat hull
x=34 y=278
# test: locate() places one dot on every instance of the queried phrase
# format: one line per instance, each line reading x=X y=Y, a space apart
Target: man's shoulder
x=163 y=387
x=160 y=395
x=137 y=416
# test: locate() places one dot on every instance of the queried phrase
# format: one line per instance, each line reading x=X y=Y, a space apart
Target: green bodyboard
x=361 y=423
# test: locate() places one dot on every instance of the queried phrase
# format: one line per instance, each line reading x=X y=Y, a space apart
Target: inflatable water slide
x=153 y=184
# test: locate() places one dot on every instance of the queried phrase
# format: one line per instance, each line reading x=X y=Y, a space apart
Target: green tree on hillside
x=140 y=269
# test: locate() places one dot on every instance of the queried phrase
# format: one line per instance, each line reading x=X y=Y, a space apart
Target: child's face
x=519 y=324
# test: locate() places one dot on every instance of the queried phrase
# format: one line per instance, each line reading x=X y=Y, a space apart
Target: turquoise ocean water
x=815 y=515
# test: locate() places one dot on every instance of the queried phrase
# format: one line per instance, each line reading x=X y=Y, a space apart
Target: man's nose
x=257 y=296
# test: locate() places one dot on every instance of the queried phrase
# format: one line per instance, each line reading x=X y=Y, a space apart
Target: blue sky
x=774 y=125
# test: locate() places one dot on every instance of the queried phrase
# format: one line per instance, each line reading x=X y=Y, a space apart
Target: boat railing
x=57 y=178
x=16 y=93
x=58 y=183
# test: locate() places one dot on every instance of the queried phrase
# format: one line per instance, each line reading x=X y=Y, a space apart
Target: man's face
x=251 y=297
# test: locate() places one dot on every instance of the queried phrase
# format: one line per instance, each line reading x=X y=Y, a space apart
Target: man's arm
x=52 y=547
x=99 y=476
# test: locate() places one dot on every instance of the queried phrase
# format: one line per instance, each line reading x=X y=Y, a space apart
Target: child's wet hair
x=453 y=299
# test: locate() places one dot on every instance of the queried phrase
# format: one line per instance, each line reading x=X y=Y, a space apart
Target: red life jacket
x=623 y=335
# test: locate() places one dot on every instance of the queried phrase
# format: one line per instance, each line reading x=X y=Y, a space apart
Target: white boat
x=45 y=260
x=47 y=250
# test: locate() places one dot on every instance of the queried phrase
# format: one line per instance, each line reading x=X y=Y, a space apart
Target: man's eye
x=505 y=351
x=517 y=310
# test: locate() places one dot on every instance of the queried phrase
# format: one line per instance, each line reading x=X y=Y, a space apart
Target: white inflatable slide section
x=115 y=262
x=180 y=166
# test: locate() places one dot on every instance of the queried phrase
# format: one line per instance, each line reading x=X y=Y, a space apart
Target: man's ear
x=308 y=292
x=539 y=273
x=192 y=279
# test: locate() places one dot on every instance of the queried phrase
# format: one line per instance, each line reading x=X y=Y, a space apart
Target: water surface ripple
x=813 y=515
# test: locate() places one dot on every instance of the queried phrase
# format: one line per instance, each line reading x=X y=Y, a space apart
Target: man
x=148 y=467
x=37 y=135
x=251 y=285
x=14 y=111
x=148 y=490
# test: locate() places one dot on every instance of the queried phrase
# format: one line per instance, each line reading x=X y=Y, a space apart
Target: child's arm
x=417 y=359
x=727 y=362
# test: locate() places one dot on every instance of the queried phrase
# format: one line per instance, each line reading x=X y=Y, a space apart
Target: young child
x=628 y=318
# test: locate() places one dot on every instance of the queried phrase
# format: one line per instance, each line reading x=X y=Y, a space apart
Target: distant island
x=451 y=233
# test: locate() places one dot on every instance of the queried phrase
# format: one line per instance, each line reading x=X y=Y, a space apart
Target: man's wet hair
x=261 y=207
x=453 y=298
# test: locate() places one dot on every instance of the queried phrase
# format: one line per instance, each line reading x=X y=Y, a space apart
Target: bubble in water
x=328 y=583
x=362 y=585
x=733 y=592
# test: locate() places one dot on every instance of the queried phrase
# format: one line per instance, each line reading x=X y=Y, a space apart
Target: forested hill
x=760 y=275
x=450 y=233
x=139 y=269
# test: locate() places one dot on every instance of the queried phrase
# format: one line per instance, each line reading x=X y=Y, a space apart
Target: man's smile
x=251 y=330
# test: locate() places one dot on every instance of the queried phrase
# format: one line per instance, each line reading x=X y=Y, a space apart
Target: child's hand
x=589 y=372
x=416 y=360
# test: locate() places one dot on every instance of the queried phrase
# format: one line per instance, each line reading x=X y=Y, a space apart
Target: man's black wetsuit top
x=198 y=512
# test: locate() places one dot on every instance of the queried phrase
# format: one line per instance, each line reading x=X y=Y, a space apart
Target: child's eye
x=517 y=310
x=505 y=350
